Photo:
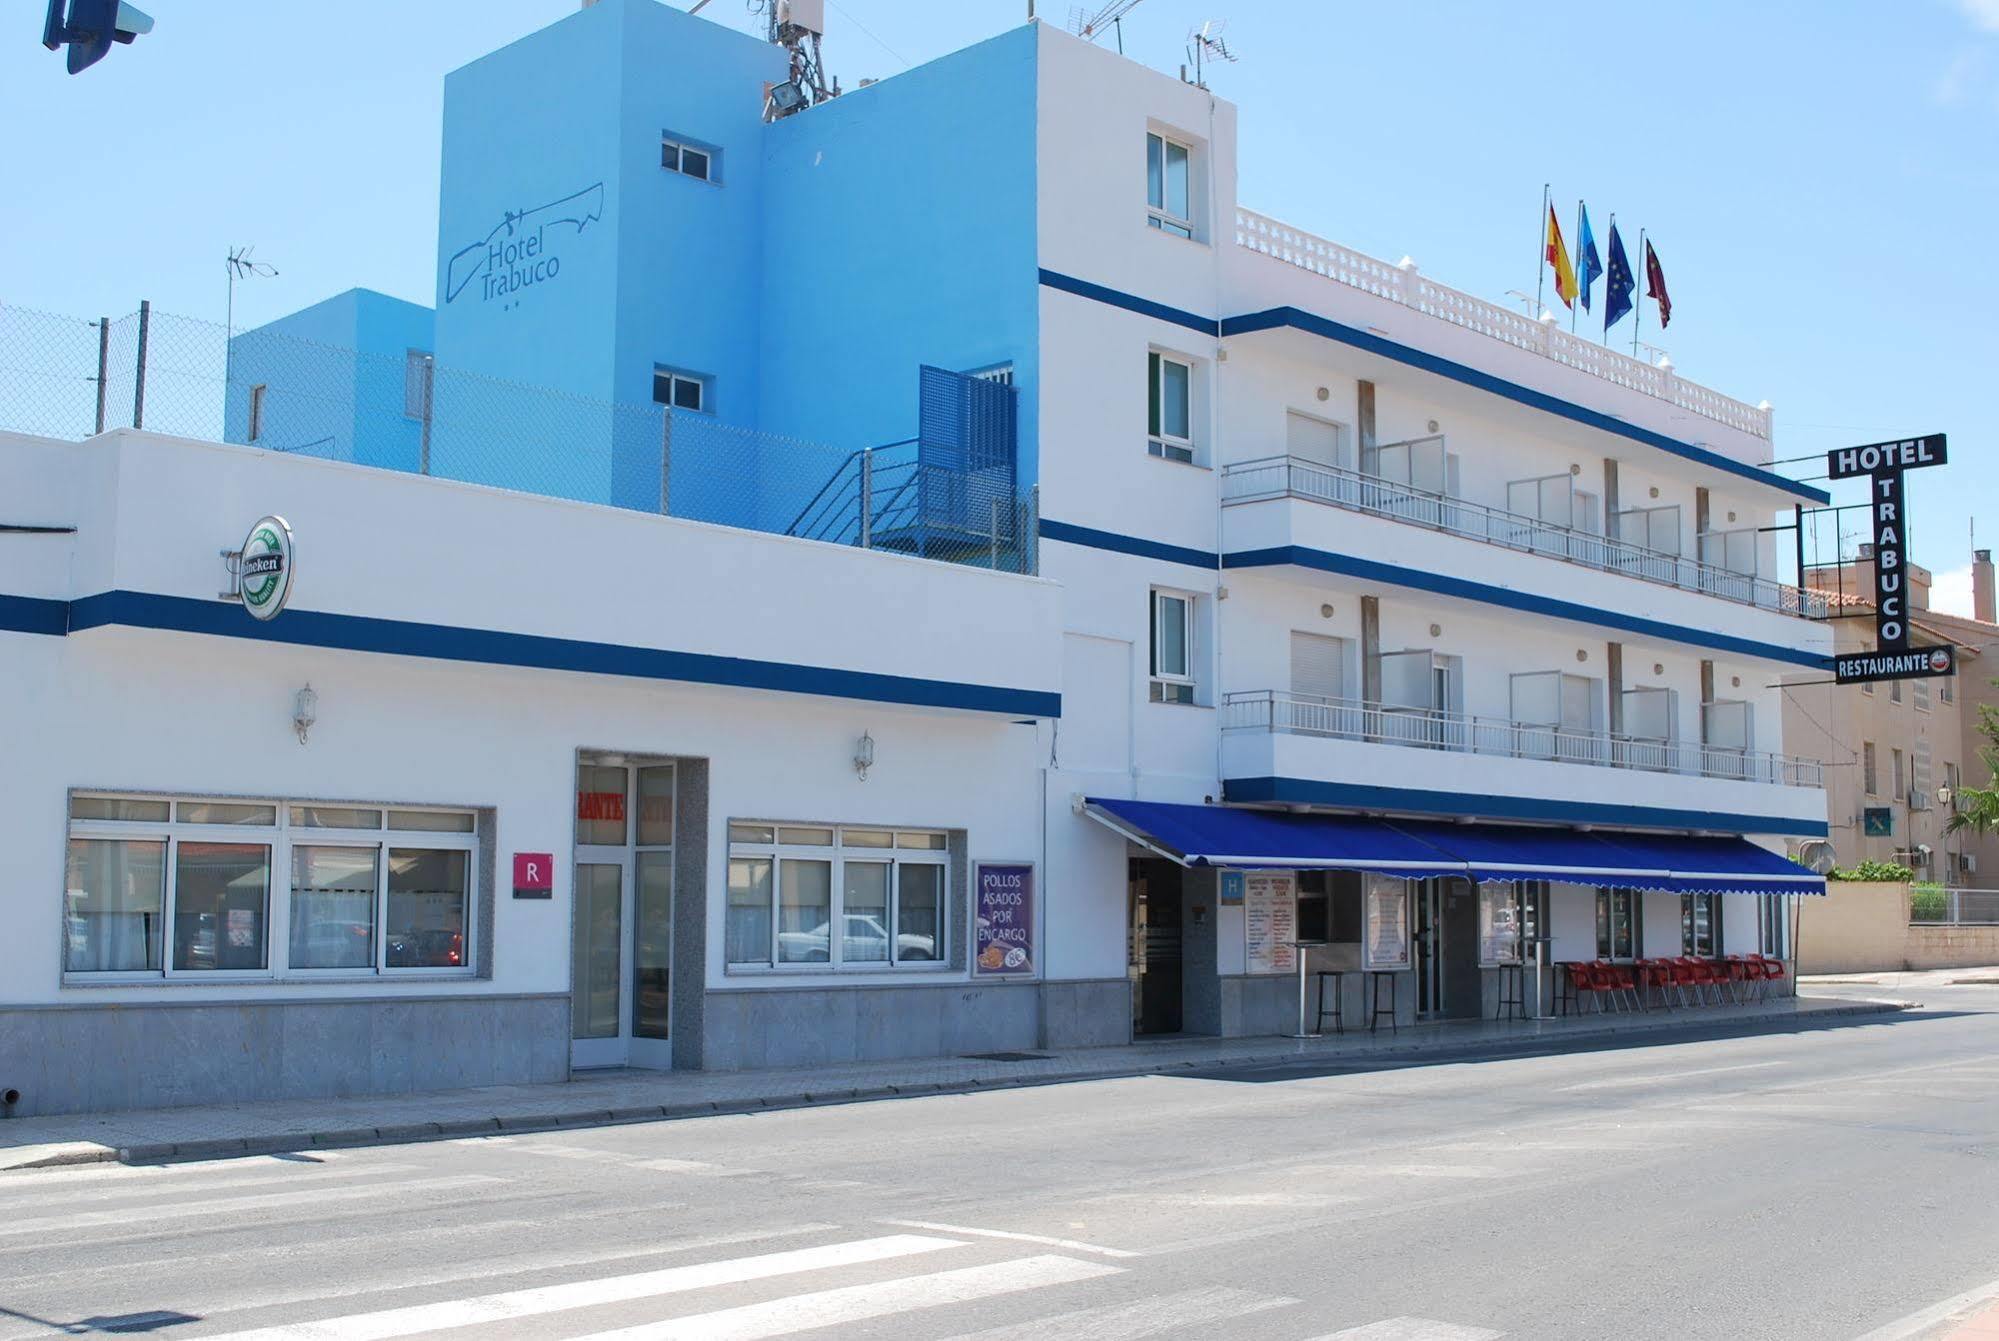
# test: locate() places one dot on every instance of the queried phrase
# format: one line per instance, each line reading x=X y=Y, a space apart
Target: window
x=679 y=390
x=1896 y=776
x=1172 y=661
x=256 y=412
x=1329 y=907
x=1869 y=778
x=689 y=160
x=1700 y=925
x=1867 y=688
x=1169 y=407
x=1946 y=690
x=1773 y=925
x=1894 y=691
x=1920 y=691
x=419 y=372
x=1501 y=922
x=1166 y=186
x=1617 y=923
x=835 y=897
x=179 y=888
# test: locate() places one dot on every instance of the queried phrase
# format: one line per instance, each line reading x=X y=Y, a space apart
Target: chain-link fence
x=67 y=377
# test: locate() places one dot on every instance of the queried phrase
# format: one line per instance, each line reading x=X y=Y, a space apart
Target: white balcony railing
x=1406 y=285
x=1295 y=477
x=1275 y=710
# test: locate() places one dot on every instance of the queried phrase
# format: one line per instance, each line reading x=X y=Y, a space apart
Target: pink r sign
x=534 y=875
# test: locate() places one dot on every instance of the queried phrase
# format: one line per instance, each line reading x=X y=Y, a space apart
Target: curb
x=84 y=1152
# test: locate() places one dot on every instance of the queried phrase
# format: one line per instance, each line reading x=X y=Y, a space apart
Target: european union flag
x=1586 y=245
x=1617 y=291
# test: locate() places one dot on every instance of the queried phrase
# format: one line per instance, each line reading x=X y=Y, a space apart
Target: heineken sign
x=261 y=572
x=1883 y=463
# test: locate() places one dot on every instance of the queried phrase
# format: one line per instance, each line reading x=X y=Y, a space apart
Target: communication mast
x=1090 y=24
x=797 y=26
x=1205 y=44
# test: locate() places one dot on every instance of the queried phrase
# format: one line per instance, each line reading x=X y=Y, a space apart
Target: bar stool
x=1338 y=1012
x=1375 y=978
x=1512 y=993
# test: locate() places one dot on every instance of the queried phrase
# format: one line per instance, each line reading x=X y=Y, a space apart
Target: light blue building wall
x=332 y=379
x=831 y=255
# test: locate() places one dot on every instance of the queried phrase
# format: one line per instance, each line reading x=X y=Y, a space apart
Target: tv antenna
x=1205 y=44
x=242 y=264
x=797 y=26
x=1090 y=25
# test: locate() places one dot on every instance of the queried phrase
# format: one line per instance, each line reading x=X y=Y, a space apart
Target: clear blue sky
x=1820 y=179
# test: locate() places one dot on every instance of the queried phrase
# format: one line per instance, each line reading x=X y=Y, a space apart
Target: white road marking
x=1413 y=1329
x=1227 y=1200
x=1145 y=1317
x=1923 y=1319
x=127 y=1215
x=1073 y=1245
x=1658 y=1078
x=512 y=1304
x=112 y=1172
x=214 y=1182
x=858 y=1303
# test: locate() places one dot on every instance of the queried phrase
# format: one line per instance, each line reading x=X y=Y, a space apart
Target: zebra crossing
x=927 y=1281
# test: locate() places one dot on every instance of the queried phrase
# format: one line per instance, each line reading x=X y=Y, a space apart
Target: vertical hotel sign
x=1884 y=463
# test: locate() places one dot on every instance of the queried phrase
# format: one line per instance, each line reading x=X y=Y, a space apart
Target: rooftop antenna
x=1089 y=25
x=797 y=26
x=243 y=264
x=1205 y=44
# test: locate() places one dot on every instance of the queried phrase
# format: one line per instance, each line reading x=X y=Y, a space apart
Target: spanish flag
x=1558 y=256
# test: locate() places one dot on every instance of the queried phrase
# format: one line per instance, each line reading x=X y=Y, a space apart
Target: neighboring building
x=1367 y=612
x=1897 y=752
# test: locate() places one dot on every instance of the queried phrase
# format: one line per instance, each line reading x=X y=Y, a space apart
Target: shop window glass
x=600 y=805
x=653 y=934
x=222 y=895
x=923 y=842
x=433 y=821
x=865 y=915
x=333 y=907
x=225 y=812
x=867 y=838
x=115 y=897
x=593 y=969
x=335 y=817
x=428 y=893
x=748 y=931
x=656 y=806
x=805 y=912
x=805 y=837
x=919 y=913
x=117 y=808
x=750 y=833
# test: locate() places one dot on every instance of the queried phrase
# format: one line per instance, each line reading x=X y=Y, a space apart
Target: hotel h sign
x=1883 y=463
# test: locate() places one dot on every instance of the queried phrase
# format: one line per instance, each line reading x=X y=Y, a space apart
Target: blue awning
x=1228 y=836
x=1209 y=835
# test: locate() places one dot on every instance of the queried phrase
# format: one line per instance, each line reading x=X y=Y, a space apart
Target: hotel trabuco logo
x=522 y=249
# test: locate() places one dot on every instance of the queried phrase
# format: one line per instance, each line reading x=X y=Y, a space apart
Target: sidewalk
x=220 y=1130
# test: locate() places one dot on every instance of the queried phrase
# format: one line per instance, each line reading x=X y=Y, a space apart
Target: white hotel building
x=1344 y=607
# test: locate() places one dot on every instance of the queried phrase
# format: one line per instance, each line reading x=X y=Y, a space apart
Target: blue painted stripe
x=1082 y=288
x=1313 y=324
x=1369 y=570
x=1361 y=796
x=1126 y=544
x=395 y=637
x=33 y=614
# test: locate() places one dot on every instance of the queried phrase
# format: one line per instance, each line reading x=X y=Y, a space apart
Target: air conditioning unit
x=1918 y=799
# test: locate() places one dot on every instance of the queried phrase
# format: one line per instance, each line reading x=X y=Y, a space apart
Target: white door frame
x=615 y=1049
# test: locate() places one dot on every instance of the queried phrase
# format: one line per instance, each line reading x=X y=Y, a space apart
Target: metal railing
x=1931 y=906
x=1295 y=477
x=1274 y=710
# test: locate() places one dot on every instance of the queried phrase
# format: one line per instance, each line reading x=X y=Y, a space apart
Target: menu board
x=1387 y=930
x=1004 y=943
x=1270 y=920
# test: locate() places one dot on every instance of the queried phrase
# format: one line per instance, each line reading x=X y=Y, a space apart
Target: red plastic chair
x=1579 y=985
x=1773 y=970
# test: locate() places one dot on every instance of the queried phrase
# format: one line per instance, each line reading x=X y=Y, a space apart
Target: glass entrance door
x=1429 y=949
x=621 y=945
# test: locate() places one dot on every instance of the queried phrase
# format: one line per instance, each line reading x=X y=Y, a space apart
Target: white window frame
x=1160 y=443
x=1172 y=686
x=674 y=379
x=896 y=857
x=1607 y=923
x=255 y=425
x=1158 y=214
x=279 y=839
x=1773 y=925
x=673 y=151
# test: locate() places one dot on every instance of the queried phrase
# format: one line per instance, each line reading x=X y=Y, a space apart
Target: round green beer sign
x=264 y=572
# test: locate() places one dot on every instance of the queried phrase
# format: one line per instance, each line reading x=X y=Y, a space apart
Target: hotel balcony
x=1314 y=519
x=1303 y=749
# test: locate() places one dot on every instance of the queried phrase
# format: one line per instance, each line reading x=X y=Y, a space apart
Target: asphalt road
x=1813 y=1184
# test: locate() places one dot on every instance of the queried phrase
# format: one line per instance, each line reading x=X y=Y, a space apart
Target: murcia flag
x=1558 y=256
x=1655 y=285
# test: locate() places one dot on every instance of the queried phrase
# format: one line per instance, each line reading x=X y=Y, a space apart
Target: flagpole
x=1606 y=283
x=1576 y=306
x=1638 y=296
x=1541 y=233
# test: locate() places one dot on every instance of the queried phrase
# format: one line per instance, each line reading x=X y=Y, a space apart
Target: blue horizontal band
x=395 y=637
x=1371 y=570
x=1145 y=307
x=1126 y=544
x=1362 y=796
x=33 y=614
